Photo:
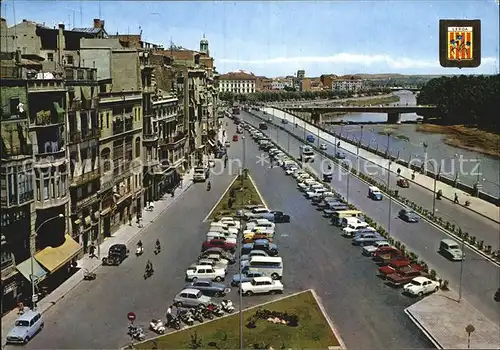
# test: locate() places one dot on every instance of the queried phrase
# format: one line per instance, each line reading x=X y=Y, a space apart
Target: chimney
x=98 y=23
x=61 y=43
x=60 y=26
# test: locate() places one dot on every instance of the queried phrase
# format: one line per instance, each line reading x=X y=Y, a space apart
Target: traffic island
x=240 y=193
x=295 y=322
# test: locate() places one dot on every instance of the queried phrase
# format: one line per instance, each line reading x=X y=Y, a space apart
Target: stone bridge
x=393 y=112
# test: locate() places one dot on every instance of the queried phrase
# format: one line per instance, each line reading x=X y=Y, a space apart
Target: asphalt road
x=477 y=225
x=480 y=277
x=93 y=315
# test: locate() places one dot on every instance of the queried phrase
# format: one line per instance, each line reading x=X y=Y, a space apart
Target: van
x=199 y=174
x=339 y=215
x=352 y=221
x=268 y=266
x=451 y=249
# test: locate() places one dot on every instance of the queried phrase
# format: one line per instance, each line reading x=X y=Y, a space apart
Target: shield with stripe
x=460 y=43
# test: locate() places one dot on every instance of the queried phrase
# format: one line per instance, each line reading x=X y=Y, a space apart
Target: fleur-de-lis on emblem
x=459 y=37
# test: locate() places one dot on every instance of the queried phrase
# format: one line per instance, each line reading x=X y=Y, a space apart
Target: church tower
x=204 y=46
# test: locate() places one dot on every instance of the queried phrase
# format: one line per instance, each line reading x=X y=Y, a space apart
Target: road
x=480 y=277
x=477 y=225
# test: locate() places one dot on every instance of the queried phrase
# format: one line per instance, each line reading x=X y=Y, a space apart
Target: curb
x=99 y=263
x=372 y=162
x=236 y=312
x=423 y=329
x=442 y=229
x=330 y=322
x=220 y=199
x=258 y=192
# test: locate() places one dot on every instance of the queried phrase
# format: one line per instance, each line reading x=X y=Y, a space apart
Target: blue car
x=260 y=244
x=310 y=138
x=246 y=276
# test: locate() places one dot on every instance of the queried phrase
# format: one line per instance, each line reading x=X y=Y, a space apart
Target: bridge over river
x=393 y=112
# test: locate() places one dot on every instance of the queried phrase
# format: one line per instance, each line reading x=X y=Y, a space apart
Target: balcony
x=85 y=178
x=84 y=135
x=173 y=141
x=48 y=118
x=12 y=200
x=76 y=207
x=151 y=163
x=150 y=137
x=15 y=115
x=48 y=156
x=45 y=85
x=52 y=202
x=120 y=127
x=16 y=152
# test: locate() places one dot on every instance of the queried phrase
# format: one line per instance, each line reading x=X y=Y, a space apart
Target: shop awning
x=25 y=269
x=54 y=258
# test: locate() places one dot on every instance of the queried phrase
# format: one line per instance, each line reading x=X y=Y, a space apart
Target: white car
x=209 y=263
x=351 y=231
x=211 y=163
x=206 y=272
x=420 y=286
x=260 y=285
x=323 y=147
x=317 y=192
x=222 y=236
x=291 y=170
x=370 y=249
x=260 y=223
x=231 y=223
x=306 y=184
x=297 y=174
x=256 y=213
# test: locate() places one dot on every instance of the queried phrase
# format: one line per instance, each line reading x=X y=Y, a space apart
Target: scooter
x=139 y=251
x=157 y=326
x=227 y=306
x=89 y=276
x=136 y=332
x=206 y=312
x=197 y=315
x=148 y=273
x=215 y=309
x=174 y=323
x=187 y=317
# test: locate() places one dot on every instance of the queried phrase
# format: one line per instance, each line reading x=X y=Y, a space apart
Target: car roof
x=201 y=280
x=262 y=279
x=27 y=315
x=190 y=290
x=421 y=279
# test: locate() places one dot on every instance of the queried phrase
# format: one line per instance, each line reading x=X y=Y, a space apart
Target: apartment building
x=282 y=82
x=239 y=82
x=348 y=83
x=263 y=84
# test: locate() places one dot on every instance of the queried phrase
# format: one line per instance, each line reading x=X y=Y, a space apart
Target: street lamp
x=463 y=255
x=389 y=182
x=357 y=149
x=348 y=177
x=34 y=298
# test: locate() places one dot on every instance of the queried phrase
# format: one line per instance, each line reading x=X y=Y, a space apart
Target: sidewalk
x=123 y=235
x=480 y=206
x=443 y=321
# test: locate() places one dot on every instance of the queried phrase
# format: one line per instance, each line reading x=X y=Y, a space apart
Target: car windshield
x=416 y=283
x=22 y=323
x=198 y=295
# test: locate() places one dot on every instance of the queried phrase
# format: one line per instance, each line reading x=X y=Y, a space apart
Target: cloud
x=349 y=59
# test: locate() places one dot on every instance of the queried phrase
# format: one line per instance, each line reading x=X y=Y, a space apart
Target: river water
x=468 y=166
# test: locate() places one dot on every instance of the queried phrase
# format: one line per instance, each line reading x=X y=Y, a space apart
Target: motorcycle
x=227 y=306
x=174 y=323
x=139 y=251
x=198 y=315
x=187 y=317
x=148 y=273
x=206 y=313
x=136 y=332
x=215 y=309
x=157 y=250
x=157 y=326
x=209 y=186
x=89 y=276
x=467 y=203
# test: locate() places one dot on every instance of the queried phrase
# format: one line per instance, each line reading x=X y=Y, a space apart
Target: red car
x=218 y=243
x=395 y=266
x=235 y=138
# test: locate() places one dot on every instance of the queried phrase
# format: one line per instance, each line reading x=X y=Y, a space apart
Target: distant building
x=263 y=84
x=239 y=82
x=348 y=83
x=281 y=83
x=301 y=74
x=327 y=80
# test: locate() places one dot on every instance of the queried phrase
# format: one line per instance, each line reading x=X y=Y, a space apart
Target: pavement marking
x=220 y=199
x=236 y=312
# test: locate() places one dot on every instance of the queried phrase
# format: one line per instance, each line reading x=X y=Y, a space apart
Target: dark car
x=209 y=288
x=310 y=138
x=276 y=216
x=116 y=254
x=260 y=244
x=340 y=155
x=408 y=215
x=225 y=255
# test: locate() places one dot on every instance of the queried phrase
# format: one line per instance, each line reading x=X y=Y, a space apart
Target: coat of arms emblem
x=460 y=43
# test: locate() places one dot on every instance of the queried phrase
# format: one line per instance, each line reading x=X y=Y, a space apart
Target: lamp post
x=34 y=298
x=463 y=256
x=357 y=149
x=389 y=182
x=348 y=177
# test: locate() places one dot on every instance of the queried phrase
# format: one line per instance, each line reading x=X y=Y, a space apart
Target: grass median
x=312 y=330
x=240 y=193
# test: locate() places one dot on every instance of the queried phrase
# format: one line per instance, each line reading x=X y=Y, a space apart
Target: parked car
x=219 y=251
x=116 y=254
x=256 y=213
x=246 y=276
x=397 y=265
x=25 y=328
x=277 y=216
x=253 y=253
x=284 y=121
x=340 y=155
x=254 y=236
x=403 y=183
x=192 y=298
x=208 y=287
x=370 y=249
x=323 y=147
x=218 y=243
x=408 y=215
x=205 y=272
x=227 y=144
x=209 y=263
x=235 y=138
x=385 y=255
x=368 y=238
x=261 y=244
x=420 y=286
x=259 y=285
x=402 y=277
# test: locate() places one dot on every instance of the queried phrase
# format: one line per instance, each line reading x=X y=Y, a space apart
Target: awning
x=53 y=258
x=25 y=269
x=88 y=220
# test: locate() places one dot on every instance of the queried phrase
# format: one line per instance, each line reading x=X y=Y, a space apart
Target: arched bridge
x=393 y=112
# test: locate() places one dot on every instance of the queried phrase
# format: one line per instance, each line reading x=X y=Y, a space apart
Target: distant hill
x=397 y=76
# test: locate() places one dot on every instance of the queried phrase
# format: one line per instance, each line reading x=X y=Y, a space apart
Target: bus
x=268 y=266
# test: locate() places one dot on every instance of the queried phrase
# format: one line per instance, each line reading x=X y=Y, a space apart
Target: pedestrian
x=169 y=314
x=399 y=171
x=92 y=251
x=130 y=219
x=456 y=198
x=20 y=307
x=173 y=192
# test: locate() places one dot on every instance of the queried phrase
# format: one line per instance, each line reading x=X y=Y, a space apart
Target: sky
x=278 y=38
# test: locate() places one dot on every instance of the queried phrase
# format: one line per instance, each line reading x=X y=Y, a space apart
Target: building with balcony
x=18 y=210
x=83 y=145
x=239 y=82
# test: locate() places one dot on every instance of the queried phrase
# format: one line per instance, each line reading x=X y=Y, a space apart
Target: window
x=14 y=102
x=101 y=121
x=138 y=147
x=63 y=183
x=107 y=120
x=69 y=60
x=58 y=188
x=45 y=189
x=50 y=57
x=79 y=193
x=52 y=189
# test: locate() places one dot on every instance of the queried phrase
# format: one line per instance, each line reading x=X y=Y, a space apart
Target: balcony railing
x=18 y=152
x=52 y=202
x=51 y=156
x=80 y=136
x=150 y=137
x=45 y=85
x=172 y=140
x=85 y=178
x=14 y=200
x=121 y=127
